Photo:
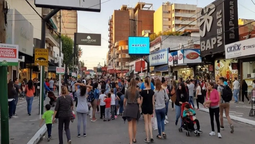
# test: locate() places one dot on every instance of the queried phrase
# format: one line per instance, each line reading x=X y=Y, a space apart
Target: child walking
x=47 y=117
x=107 y=101
x=102 y=104
x=113 y=104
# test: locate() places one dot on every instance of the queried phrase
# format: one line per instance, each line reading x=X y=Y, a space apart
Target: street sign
x=60 y=70
x=41 y=57
x=9 y=54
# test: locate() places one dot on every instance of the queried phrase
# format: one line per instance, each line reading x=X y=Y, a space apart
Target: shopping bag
x=154 y=123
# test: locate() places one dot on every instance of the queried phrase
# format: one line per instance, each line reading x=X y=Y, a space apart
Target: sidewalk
x=238 y=112
x=23 y=128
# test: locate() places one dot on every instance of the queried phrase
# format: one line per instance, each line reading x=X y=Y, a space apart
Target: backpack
x=91 y=96
x=226 y=94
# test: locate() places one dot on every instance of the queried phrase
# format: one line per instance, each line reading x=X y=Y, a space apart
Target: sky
x=93 y=22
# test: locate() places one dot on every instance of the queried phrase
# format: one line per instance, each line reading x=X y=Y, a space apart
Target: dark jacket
x=181 y=97
x=244 y=87
x=12 y=93
x=63 y=106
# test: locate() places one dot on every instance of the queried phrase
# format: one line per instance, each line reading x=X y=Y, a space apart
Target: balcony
x=188 y=15
x=51 y=38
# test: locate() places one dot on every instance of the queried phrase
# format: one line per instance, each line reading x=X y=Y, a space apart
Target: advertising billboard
x=192 y=56
x=84 y=5
x=159 y=57
x=218 y=26
x=139 y=45
x=9 y=54
x=88 y=39
x=170 y=59
x=240 y=49
x=180 y=56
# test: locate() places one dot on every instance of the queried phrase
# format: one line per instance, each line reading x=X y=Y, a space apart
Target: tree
x=67 y=48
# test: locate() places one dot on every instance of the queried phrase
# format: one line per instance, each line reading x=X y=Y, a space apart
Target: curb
x=243 y=120
x=38 y=135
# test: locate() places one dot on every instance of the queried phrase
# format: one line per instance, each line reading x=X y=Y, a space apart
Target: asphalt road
x=115 y=132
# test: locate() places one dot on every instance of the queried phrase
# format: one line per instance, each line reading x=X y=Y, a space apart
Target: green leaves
x=67 y=48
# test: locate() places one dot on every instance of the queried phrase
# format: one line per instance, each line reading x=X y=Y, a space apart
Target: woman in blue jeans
x=181 y=97
x=30 y=90
x=160 y=107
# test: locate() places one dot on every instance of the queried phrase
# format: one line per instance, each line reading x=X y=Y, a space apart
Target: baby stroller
x=53 y=98
x=188 y=123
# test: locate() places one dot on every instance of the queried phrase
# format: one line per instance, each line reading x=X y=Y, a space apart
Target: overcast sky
x=91 y=22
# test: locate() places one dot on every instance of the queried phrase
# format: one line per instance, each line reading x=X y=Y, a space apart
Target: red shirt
x=107 y=102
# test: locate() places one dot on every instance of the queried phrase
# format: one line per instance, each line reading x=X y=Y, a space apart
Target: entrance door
x=14 y=74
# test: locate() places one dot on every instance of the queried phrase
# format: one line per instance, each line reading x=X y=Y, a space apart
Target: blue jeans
x=15 y=106
x=11 y=107
x=236 y=94
x=191 y=101
x=160 y=114
x=167 y=103
x=178 y=113
x=121 y=103
x=29 y=104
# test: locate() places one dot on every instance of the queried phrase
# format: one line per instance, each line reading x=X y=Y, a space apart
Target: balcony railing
x=51 y=38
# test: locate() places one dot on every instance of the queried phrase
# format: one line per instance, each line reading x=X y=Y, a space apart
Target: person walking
x=131 y=110
x=191 y=88
x=236 y=88
x=212 y=102
x=199 y=96
x=165 y=87
x=244 y=91
x=30 y=90
x=18 y=91
x=147 y=106
x=173 y=93
x=102 y=104
x=63 y=111
x=82 y=108
x=181 y=97
x=160 y=107
x=224 y=105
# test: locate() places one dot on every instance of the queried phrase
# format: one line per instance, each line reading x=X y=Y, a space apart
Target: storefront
x=183 y=63
x=244 y=51
x=159 y=60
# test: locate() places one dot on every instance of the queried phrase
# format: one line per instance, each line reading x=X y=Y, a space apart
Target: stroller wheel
x=180 y=129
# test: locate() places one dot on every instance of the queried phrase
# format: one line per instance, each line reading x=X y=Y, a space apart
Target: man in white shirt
x=236 y=87
x=51 y=84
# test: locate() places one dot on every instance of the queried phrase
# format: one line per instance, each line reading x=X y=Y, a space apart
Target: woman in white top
x=199 y=96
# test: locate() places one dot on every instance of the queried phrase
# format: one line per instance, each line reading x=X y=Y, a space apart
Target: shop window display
x=186 y=73
x=224 y=68
x=249 y=73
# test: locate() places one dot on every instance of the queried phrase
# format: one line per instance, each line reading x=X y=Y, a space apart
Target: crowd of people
x=130 y=99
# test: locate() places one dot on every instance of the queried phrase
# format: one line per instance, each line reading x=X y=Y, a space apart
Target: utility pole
x=3 y=83
x=60 y=51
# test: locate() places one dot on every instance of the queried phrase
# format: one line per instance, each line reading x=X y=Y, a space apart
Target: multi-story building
x=69 y=22
x=123 y=23
x=246 y=28
x=175 y=17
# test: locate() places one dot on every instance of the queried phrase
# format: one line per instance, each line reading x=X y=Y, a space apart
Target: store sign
x=218 y=26
x=175 y=57
x=9 y=54
x=192 y=56
x=180 y=56
x=139 y=66
x=88 y=39
x=139 y=45
x=159 y=57
x=41 y=57
x=240 y=49
x=60 y=70
x=85 y=5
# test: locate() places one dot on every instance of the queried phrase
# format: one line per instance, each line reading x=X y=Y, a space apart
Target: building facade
x=69 y=23
x=173 y=17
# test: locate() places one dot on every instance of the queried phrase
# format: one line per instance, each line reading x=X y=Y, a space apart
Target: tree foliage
x=67 y=48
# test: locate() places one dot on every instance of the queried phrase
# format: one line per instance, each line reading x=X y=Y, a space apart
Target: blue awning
x=161 y=68
x=53 y=24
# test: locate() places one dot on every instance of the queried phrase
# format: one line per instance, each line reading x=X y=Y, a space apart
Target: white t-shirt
x=236 y=84
x=84 y=81
x=101 y=97
x=51 y=83
x=112 y=99
x=198 y=90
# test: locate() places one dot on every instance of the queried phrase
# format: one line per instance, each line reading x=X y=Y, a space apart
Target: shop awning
x=53 y=24
x=161 y=68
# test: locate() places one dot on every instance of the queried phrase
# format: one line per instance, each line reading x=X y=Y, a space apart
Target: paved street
x=23 y=128
x=115 y=132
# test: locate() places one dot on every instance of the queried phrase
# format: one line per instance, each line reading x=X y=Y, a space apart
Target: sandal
x=145 y=140
x=159 y=137
x=134 y=141
x=164 y=136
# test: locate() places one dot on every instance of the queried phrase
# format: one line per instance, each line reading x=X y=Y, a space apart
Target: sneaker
x=219 y=135
x=167 y=121
x=15 y=116
x=232 y=129
x=69 y=142
x=78 y=135
x=166 y=118
x=221 y=127
x=84 y=134
x=176 y=122
x=48 y=139
x=199 y=131
x=93 y=120
x=212 y=133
